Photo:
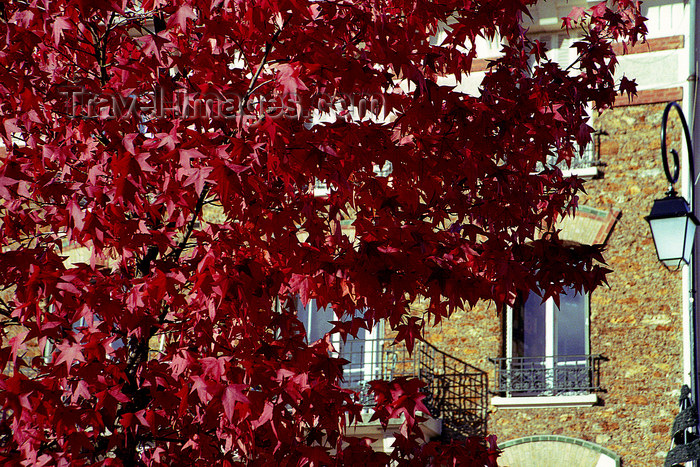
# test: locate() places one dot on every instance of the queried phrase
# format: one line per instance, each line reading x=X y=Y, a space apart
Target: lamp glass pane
x=669 y=237
x=689 y=239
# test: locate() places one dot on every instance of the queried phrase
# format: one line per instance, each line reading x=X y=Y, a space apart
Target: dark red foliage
x=175 y=145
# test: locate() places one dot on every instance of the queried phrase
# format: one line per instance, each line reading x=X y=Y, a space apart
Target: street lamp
x=673 y=227
x=671 y=220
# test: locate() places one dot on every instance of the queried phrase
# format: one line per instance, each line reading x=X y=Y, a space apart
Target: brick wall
x=635 y=322
x=650 y=45
x=651 y=96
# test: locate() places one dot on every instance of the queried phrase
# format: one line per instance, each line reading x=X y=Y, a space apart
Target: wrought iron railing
x=455 y=391
x=547 y=376
x=589 y=158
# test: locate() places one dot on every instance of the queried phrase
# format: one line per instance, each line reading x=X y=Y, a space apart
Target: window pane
x=570 y=324
x=529 y=328
x=315 y=321
x=361 y=352
x=356 y=352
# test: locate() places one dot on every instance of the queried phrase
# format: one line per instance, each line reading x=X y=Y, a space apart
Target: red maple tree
x=178 y=147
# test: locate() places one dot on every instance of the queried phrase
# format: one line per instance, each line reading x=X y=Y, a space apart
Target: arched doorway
x=555 y=451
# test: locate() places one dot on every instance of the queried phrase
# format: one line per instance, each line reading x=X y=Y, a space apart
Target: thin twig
x=190 y=226
x=245 y=57
x=268 y=49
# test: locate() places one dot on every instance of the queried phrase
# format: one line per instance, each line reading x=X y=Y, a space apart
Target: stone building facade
x=635 y=322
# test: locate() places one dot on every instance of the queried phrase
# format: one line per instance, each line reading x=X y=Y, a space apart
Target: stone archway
x=555 y=451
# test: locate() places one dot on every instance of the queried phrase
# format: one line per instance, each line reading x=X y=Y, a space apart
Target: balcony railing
x=455 y=391
x=547 y=376
x=589 y=158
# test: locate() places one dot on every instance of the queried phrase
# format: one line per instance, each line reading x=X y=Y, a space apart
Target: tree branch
x=268 y=49
x=175 y=254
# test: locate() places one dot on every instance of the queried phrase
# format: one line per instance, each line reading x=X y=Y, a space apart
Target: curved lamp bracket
x=673 y=177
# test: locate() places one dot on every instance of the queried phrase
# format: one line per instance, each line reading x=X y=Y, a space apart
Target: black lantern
x=671 y=220
x=673 y=227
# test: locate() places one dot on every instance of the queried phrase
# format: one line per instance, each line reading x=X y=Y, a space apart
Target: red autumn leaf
x=69 y=353
x=628 y=86
x=181 y=16
x=409 y=332
x=60 y=24
x=233 y=394
x=152 y=45
x=289 y=80
x=16 y=343
x=214 y=368
x=575 y=17
x=599 y=9
x=81 y=390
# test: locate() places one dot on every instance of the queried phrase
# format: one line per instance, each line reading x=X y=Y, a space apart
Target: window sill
x=431 y=427
x=586 y=172
x=586 y=400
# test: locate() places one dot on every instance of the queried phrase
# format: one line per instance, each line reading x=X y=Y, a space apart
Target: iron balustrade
x=587 y=159
x=455 y=391
x=548 y=375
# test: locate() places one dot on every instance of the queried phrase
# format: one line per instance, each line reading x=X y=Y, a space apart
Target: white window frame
x=372 y=356
x=544 y=399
